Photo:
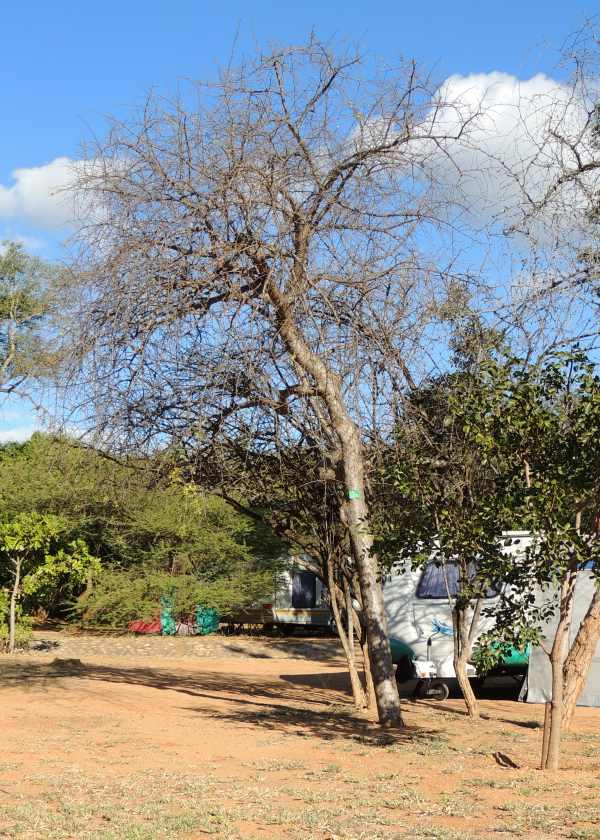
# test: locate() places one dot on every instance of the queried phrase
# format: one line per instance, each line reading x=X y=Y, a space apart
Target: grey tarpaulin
x=537 y=687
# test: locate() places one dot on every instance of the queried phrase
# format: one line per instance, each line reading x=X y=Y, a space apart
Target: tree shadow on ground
x=276 y=704
x=310 y=649
x=328 y=725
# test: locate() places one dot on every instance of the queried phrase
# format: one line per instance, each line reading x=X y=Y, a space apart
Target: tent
x=537 y=685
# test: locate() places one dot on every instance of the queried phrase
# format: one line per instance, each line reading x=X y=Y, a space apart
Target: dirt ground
x=255 y=739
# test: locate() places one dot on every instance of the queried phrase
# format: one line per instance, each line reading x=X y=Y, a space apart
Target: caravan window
x=432 y=584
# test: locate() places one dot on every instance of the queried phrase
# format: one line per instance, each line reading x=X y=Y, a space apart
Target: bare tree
x=255 y=257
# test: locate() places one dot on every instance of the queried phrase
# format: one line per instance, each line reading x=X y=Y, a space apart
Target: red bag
x=141 y=626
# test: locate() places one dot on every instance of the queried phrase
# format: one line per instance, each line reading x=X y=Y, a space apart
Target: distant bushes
x=22 y=630
x=118 y=597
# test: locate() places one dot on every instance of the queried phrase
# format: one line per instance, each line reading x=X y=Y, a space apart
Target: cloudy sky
x=65 y=65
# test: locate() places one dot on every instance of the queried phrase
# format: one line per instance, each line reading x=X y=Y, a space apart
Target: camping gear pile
x=204 y=621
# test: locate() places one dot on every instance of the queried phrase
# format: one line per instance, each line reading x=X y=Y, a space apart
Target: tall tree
x=546 y=420
x=444 y=502
x=257 y=257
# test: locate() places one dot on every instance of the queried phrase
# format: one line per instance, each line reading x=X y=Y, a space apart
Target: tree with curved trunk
x=255 y=259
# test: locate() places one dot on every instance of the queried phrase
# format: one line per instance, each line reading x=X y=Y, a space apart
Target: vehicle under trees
x=443 y=499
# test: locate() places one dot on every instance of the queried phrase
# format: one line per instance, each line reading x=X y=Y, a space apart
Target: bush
x=119 y=597
x=22 y=629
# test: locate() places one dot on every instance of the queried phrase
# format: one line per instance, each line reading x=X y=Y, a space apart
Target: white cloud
x=39 y=195
x=505 y=152
x=17 y=434
x=509 y=154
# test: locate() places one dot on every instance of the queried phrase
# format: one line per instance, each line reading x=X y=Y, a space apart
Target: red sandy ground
x=278 y=720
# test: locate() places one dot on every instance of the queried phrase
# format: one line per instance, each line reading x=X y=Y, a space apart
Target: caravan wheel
x=438 y=691
x=432 y=690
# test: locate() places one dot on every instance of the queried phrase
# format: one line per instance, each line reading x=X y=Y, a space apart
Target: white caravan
x=419 y=615
x=299 y=599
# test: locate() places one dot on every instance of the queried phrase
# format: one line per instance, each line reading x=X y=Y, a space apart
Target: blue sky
x=66 y=64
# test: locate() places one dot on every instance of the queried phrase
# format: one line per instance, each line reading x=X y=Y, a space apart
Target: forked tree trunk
x=347 y=639
x=12 y=613
x=328 y=387
x=551 y=748
x=364 y=649
x=578 y=661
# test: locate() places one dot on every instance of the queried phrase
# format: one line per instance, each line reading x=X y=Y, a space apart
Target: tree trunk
x=370 y=686
x=557 y=660
x=382 y=668
x=546 y=736
x=347 y=641
x=460 y=668
x=328 y=387
x=463 y=643
x=556 y=705
x=364 y=649
x=12 y=614
x=578 y=661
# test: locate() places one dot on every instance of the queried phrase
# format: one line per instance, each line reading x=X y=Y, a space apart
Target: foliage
x=23 y=623
x=50 y=564
x=140 y=517
x=442 y=499
x=438 y=496
x=546 y=419
x=25 y=300
x=121 y=596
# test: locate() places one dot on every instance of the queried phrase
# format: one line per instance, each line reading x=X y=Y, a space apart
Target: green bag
x=207 y=620
x=168 y=625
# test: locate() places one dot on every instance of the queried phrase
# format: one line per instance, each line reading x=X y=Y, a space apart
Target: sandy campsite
x=248 y=738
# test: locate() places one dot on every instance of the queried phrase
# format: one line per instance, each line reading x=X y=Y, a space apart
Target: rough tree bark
x=328 y=387
x=347 y=639
x=578 y=661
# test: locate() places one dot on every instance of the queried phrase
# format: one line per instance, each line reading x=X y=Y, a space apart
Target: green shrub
x=122 y=596
x=23 y=626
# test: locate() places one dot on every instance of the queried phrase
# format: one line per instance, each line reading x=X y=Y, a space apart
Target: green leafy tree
x=545 y=420
x=41 y=560
x=443 y=502
x=141 y=518
x=25 y=301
